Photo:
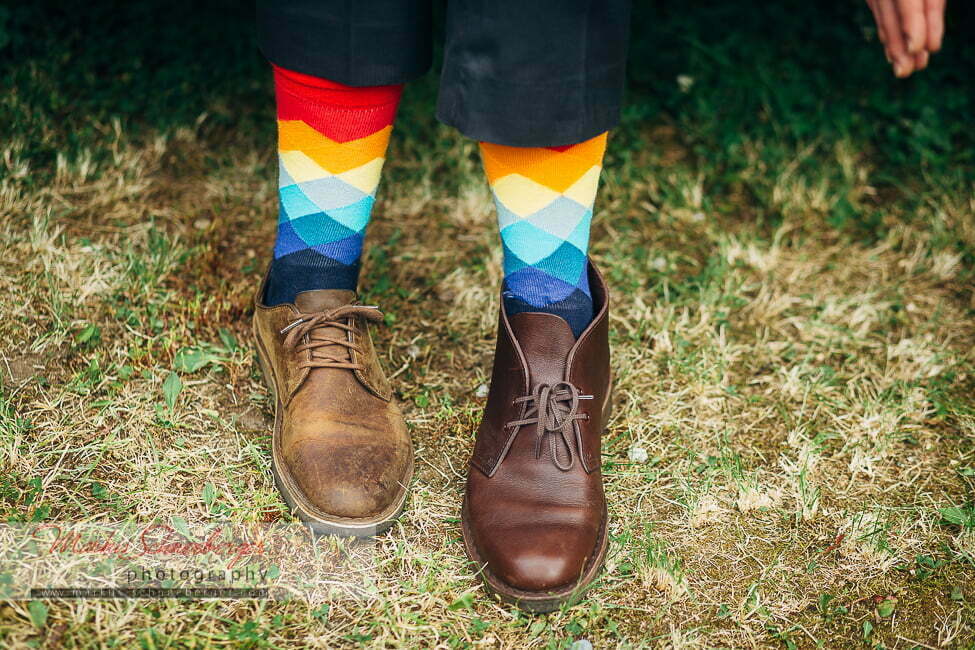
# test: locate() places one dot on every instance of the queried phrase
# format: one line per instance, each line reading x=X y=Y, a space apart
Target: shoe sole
x=541 y=602
x=320 y=523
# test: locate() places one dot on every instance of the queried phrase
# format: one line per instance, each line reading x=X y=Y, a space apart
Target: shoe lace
x=328 y=351
x=554 y=409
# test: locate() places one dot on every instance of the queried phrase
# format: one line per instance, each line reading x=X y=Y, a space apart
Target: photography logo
x=177 y=559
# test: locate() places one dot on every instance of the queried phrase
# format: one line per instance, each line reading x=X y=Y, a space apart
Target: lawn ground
x=789 y=238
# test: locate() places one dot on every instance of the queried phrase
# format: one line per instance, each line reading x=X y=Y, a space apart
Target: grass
x=788 y=234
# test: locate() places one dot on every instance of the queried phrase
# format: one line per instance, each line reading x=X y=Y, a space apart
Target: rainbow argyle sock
x=544 y=198
x=332 y=143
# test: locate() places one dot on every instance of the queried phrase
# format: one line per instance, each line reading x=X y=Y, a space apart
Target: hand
x=911 y=31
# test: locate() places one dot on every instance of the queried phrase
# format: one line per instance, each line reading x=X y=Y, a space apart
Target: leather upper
x=341 y=436
x=534 y=522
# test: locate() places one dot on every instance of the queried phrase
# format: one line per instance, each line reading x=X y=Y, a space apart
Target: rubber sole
x=318 y=522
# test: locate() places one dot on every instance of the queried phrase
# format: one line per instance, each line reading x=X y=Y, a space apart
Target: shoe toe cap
x=536 y=560
x=533 y=571
x=351 y=478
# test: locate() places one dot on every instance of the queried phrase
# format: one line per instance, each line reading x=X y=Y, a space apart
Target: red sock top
x=340 y=112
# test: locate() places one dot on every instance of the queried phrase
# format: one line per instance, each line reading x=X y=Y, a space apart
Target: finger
x=913 y=23
x=881 y=32
x=935 y=13
x=921 y=60
x=903 y=63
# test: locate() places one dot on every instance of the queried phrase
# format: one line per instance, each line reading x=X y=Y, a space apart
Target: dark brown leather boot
x=341 y=454
x=534 y=517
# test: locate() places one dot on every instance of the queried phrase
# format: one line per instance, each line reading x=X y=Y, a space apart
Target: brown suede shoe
x=534 y=517
x=341 y=454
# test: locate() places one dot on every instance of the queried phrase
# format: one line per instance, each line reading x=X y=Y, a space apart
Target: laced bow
x=328 y=351
x=554 y=409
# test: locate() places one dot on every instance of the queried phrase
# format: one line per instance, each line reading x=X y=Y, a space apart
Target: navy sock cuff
x=576 y=309
x=307 y=270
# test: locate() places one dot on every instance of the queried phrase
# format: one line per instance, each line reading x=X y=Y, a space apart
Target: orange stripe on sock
x=335 y=157
x=557 y=170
